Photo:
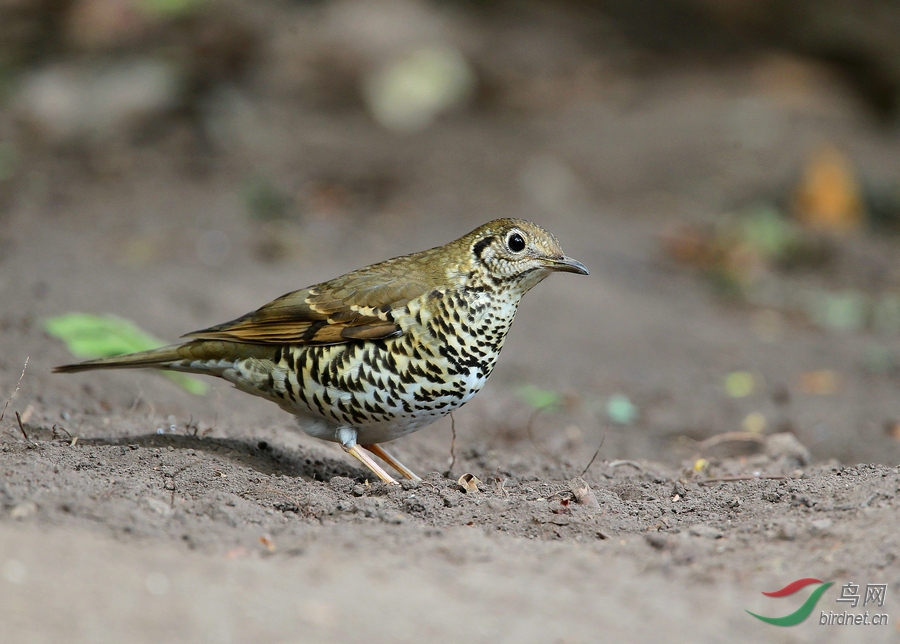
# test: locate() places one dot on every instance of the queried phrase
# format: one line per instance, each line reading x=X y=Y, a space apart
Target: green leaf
x=739 y=384
x=621 y=410
x=768 y=232
x=96 y=336
x=540 y=398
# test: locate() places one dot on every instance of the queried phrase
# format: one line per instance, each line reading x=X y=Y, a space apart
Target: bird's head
x=517 y=253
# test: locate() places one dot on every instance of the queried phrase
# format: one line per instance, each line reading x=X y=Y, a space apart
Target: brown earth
x=131 y=511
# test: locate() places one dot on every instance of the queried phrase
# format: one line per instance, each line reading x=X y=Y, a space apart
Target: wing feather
x=355 y=306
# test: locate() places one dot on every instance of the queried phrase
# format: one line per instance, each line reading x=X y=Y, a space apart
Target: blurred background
x=729 y=171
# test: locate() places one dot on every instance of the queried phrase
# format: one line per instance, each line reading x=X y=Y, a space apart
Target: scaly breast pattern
x=388 y=388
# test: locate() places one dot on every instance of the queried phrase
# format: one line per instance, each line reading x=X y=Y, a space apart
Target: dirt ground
x=132 y=511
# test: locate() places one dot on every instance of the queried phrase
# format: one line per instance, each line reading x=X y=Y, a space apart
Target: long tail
x=201 y=356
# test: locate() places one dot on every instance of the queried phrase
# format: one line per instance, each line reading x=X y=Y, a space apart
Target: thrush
x=379 y=352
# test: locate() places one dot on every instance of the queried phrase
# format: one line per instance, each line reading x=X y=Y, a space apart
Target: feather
x=355 y=306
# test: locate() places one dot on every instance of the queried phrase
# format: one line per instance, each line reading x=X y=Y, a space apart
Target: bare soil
x=131 y=511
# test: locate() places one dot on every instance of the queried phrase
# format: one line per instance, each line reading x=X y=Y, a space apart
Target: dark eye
x=515 y=243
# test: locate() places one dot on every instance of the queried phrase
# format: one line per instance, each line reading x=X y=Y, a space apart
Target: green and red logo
x=804 y=611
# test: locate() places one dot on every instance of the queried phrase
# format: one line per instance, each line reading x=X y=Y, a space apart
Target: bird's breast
x=390 y=387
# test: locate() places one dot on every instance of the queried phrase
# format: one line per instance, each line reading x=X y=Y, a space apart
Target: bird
x=379 y=352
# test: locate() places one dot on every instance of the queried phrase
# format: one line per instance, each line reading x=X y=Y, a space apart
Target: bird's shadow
x=257 y=455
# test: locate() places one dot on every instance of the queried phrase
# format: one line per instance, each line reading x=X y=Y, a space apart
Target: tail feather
x=193 y=357
x=155 y=358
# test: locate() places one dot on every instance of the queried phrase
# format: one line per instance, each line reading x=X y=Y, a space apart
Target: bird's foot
x=391 y=460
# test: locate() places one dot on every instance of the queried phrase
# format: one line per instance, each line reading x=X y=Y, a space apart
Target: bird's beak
x=568 y=265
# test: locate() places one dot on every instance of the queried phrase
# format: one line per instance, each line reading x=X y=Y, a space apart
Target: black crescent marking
x=478 y=248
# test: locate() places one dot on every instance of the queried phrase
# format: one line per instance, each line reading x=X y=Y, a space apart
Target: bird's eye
x=515 y=243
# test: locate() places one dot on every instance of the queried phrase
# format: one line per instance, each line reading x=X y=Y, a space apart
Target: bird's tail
x=199 y=356
x=160 y=358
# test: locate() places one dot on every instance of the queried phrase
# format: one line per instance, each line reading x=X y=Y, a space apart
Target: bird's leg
x=385 y=456
x=347 y=438
x=366 y=460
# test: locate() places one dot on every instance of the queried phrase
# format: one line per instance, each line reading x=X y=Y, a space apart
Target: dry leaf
x=828 y=196
x=468 y=483
x=823 y=382
x=893 y=430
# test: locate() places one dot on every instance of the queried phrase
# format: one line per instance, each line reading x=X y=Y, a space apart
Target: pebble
x=820 y=526
x=787 y=530
x=23 y=510
x=786 y=446
x=160 y=507
x=705 y=531
x=657 y=540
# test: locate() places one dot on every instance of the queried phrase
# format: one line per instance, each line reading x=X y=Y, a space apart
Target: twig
x=745 y=477
x=594 y=457
x=499 y=482
x=21 y=427
x=452 y=443
x=732 y=437
x=56 y=429
x=304 y=508
x=634 y=464
x=8 y=400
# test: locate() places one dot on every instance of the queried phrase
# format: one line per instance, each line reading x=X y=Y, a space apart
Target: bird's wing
x=356 y=306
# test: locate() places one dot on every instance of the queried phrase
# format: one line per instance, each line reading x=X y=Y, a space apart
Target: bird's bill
x=568 y=265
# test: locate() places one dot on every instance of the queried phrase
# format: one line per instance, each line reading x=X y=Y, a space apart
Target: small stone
x=23 y=510
x=657 y=540
x=160 y=507
x=14 y=571
x=785 y=446
x=409 y=484
x=705 y=531
x=342 y=484
x=414 y=506
x=344 y=506
x=787 y=531
x=583 y=493
x=392 y=518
